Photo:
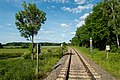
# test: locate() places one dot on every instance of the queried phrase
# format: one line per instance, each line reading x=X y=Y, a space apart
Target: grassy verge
x=19 y=68
x=112 y=64
x=11 y=53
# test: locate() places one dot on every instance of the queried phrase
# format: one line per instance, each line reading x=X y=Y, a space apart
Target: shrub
x=24 y=46
x=49 y=50
x=1 y=46
x=2 y=71
x=113 y=48
x=26 y=55
x=118 y=50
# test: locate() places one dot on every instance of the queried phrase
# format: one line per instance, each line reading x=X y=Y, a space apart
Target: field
x=14 y=66
x=111 y=65
x=11 y=53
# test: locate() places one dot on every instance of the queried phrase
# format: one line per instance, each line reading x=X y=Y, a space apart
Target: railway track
x=77 y=68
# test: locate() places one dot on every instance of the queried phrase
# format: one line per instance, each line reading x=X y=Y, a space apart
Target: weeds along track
x=77 y=68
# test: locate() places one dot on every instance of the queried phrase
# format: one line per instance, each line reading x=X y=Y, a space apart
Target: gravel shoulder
x=104 y=74
x=56 y=69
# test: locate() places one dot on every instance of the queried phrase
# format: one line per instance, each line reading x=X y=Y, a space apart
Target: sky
x=63 y=19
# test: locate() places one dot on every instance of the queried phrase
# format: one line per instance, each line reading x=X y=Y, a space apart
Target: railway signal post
x=90 y=45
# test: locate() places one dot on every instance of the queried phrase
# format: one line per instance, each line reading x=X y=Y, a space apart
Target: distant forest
x=26 y=44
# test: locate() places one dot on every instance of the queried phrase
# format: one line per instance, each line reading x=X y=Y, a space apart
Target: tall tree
x=29 y=21
x=99 y=26
x=115 y=5
x=1 y=46
x=112 y=10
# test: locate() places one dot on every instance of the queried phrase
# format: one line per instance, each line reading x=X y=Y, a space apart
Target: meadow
x=14 y=66
x=111 y=65
x=11 y=53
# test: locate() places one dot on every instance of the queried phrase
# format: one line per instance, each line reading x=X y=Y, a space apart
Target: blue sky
x=63 y=18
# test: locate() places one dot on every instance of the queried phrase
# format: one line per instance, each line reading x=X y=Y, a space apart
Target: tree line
x=102 y=25
x=27 y=44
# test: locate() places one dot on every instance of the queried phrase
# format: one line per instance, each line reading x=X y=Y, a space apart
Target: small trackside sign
x=107 y=47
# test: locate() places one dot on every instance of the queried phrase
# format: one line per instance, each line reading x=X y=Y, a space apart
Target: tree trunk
x=32 y=46
x=117 y=40
x=115 y=28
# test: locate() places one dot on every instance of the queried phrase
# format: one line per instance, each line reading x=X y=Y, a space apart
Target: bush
x=49 y=50
x=2 y=71
x=1 y=46
x=24 y=46
x=113 y=48
x=60 y=52
x=118 y=50
x=26 y=55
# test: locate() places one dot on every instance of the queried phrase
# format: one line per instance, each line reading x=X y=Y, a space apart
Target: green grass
x=50 y=46
x=9 y=47
x=19 y=68
x=11 y=53
x=111 y=65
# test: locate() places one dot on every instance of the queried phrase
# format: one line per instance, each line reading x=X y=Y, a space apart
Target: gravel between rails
x=104 y=74
x=56 y=69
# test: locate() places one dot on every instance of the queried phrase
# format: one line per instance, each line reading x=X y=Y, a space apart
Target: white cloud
x=64 y=25
x=47 y=32
x=84 y=16
x=90 y=1
x=13 y=0
x=80 y=23
x=80 y=1
x=66 y=9
x=76 y=20
x=57 y=1
x=7 y=0
x=41 y=29
x=72 y=33
x=70 y=24
x=17 y=0
x=53 y=7
x=8 y=24
x=10 y=29
x=63 y=35
x=77 y=9
x=52 y=11
x=88 y=6
x=38 y=1
x=41 y=38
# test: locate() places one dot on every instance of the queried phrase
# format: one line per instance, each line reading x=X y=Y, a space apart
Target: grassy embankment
x=15 y=67
x=111 y=65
